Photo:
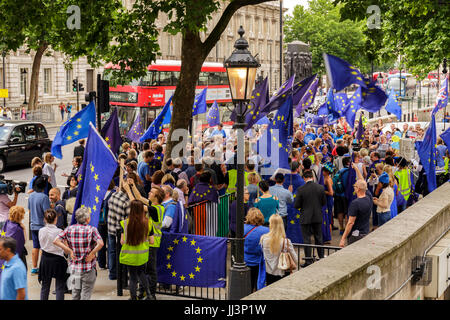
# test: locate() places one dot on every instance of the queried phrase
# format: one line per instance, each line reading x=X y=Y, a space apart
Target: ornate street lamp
x=241 y=70
x=24 y=72
x=444 y=71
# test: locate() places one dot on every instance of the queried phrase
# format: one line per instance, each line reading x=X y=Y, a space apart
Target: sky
x=290 y=4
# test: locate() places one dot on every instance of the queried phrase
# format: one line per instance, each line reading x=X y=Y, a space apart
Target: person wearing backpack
x=103 y=225
x=340 y=202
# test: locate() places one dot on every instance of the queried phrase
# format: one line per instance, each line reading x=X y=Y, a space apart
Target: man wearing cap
x=358 y=214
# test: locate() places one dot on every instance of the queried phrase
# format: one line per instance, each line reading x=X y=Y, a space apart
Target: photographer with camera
x=5 y=202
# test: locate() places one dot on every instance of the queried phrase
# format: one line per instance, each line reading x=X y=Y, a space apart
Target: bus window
x=175 y=77
x=223 y=78
x=214 y=78
x=165 y=78
x=110 y=77
x=149 y=79
x=203 y=79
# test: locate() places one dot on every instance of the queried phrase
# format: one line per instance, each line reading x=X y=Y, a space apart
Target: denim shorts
x=35 y=237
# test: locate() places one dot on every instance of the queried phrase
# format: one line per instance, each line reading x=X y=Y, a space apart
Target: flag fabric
x=136 y=131
x=373 y=97
x=74 y=129
x=111 y=132
x=333 y=113
x=199 y=106
x=308 y=99
x=352 y=107
x=279 y=98
x=341 y=73
x=316 y=120
x=360 y=130
x=281 y=124
x=263 y=120
x=192 y=260
x=168 y=116
x=340 y=103
x=427 y=154
x=393 y=106
x=442 y=97
x=155 y=127
x=96 y=173
x=446 y=138
x=301 y=88
x=213 y=117
x=259 y=98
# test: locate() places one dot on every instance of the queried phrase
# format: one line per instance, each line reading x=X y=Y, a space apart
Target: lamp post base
x=239 y=282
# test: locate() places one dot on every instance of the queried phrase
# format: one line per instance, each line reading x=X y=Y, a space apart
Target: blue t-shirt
x=252 y=248
x=14 y=277
x=170 y=208
x=267 y=206
x=293 y=179
x=441 y=154
x=38 y=202
x=143 y=169
x=217 y=131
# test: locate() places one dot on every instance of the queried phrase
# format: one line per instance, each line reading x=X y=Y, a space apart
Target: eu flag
x=192 y=260
x=427 y=154
x=373 y=97
x=341 y=73
x=213 y=117
x=331 y=106
x=446 y=138
x=352 y=107
x=276 y=136
x=136 y=131
x=340 y=103
x=199 y=106
x=96 y=172
x=301 y=89
x=155 y=127
x=393 y=106
x=360 y=130
x=442 y=97
x=277 y=100
x=308 y=99
x=111 y=132
x=74 y=129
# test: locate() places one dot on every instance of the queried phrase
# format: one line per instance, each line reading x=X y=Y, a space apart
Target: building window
x=47 y=80
x=250 y=24
x=169 y=45
x=261 y=52
x=23 y=80
x=260 y=26
x=69 y=74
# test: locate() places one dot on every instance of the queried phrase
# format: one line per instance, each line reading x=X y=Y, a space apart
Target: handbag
x=285 y=261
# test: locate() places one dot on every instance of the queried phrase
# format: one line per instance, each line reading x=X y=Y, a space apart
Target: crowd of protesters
x=151 y=190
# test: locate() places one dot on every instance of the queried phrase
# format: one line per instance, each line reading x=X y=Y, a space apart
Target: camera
x=356 y=147
x=9 y=186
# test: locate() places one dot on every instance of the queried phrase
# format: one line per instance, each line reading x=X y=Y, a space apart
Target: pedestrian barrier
x=223 y=215
x=327 y=250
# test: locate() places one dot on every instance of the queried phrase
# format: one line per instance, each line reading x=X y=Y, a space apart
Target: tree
x=416 y=30
x=188 y=18
x=320 y=25
x=42 y=24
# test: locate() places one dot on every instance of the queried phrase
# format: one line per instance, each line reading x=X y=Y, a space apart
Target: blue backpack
x=338 y=184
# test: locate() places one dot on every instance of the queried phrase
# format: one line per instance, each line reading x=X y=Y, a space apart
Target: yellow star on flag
x=79 y=126
x=69 y=138
x=3 y=233
x=168 y=257
x=198 y=250
x=184 y=239
x=76 y=133
x=96 y=177
x=191 y=275
x=197 y=269
x=169 y=266
x=96 y=200
x=193 y=242
x=97 y=188
x=176 y=241
x=170 y=248
x=200 y=259
x=182 y=278
x=79 y=120
x=174 y=274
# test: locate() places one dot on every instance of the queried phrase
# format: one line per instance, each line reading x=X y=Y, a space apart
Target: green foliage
x=418 y=31
x=322 y=27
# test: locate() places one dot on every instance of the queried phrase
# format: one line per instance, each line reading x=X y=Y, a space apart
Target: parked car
x=21 y=141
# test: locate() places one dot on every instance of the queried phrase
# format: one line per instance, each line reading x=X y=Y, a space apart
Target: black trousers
x=137 y=274
x=315 y=230
x=151 y=271
x=103 y=230
x=254 y=271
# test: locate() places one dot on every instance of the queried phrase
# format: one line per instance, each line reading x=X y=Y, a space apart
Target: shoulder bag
x=285 y=261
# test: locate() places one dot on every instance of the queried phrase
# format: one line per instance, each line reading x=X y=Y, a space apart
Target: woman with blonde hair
x=49 y=169
x=253 y=230
x=14 y=228
x=272 y=244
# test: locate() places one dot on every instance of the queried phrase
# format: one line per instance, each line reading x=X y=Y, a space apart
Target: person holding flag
x=155 y=127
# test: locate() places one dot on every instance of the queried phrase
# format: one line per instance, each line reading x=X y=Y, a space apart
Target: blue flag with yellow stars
x=74 y=129
x=442 y=97
x=427 y=154
x=307 y=100
x=213 y=117
x=393 y=106
x=192 y=260
x=199 y=106
x=340 y=103
x=352 y=107
x=300 y=89
x=373 y=97
x=278 y=131
x=446 y=138
x=155 y=127
x=111 y=132
x=360 y=131
x=136 y=131
x=96 y=173
x=277 y=100
x=341 y=73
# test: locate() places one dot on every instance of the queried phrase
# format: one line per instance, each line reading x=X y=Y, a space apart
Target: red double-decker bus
x=149 y=94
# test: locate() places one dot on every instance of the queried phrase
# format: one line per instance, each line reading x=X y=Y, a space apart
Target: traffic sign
x=3 y=93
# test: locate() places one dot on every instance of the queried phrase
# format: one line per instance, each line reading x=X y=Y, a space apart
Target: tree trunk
x=34 y=82
x=192 y=57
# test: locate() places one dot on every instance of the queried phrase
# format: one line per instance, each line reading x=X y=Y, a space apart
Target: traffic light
x=103 y=95
x=80 y=87
x=88 y=97
x=75 y=85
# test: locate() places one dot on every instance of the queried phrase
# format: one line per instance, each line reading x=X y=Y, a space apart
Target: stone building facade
x=261 y=23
